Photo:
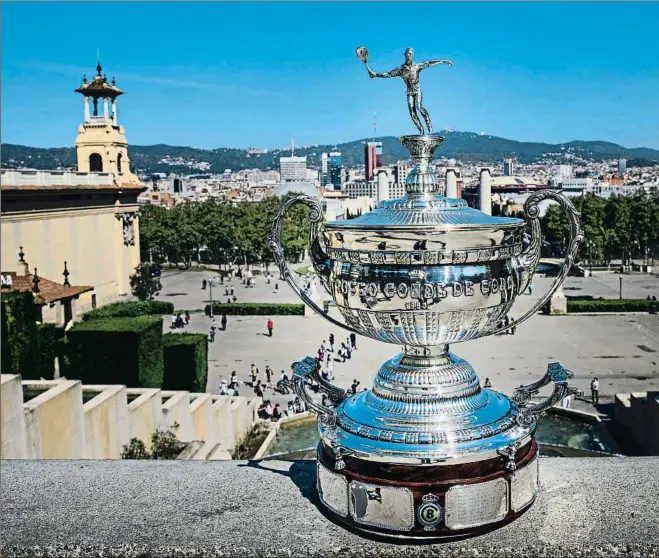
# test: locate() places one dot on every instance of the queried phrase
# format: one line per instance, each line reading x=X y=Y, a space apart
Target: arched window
x=95 y=163
x=119 y=163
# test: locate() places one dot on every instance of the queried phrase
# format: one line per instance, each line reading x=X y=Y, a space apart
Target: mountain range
x=466 y=147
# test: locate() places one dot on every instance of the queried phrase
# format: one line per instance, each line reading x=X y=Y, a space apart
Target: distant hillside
x=464 y=146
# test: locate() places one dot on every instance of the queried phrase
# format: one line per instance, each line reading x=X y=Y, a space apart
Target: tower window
x=119 y=163
x=95 y=163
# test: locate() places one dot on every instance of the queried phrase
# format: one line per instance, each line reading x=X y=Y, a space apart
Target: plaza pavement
x=622 y=350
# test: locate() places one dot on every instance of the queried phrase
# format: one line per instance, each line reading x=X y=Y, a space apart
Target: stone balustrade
x=64 y=419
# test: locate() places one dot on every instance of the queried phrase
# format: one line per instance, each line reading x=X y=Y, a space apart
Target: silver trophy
x=426 y=452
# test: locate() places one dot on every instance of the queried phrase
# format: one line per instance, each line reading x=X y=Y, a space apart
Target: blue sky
x=256 y=74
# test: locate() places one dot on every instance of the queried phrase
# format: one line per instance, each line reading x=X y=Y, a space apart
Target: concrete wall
x=106 y=421
x=49 y=238
x=223 y=422
x=639 y=413
x=144 y=413
x=62 y=419
x=12 y=418
x=176 y=410
x=54 y=421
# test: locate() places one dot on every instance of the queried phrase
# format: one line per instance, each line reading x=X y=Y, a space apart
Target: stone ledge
x=586 y=507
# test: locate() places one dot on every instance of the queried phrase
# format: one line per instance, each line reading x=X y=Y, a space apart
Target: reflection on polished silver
x=332 y=490
x=423 y=272
x=388 y=507
x=474 y=505
x=524 y=486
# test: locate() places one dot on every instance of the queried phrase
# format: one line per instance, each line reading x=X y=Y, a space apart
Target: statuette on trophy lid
x=427 y=452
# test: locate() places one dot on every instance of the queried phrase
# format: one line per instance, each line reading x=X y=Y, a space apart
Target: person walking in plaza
x=348 y=351
x=254 y=373
x=203 y=284
x=595 y=391
x=223 y=387
x=173 y=321
x=187 y=318
x=211 y=334
x=258 y=390
x=331 y=342
x=271 y=326
x=487 y=384
x=353 y=341
x=323 y=347
x=330 y=370
x=276 y=413
x=268 y=376
x=224 y=322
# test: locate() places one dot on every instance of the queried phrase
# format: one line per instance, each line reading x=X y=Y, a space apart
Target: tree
x=145 y=282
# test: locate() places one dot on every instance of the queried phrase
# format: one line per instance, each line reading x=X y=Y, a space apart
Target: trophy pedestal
x=427 y=502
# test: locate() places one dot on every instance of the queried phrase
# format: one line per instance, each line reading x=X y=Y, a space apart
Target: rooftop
x=49 y=291
x=586 y=507
x=99 y=86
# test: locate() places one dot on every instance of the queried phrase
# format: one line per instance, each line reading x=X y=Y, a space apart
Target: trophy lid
x=424 y=205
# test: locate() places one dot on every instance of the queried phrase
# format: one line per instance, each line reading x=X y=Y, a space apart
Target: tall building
x=293 y=169
x=372 y=158
x=80 y=224
x=335 y=170
x=401 y=171
x=324 y=169
x=622 y=166
x=508 y=167
x=101 y=145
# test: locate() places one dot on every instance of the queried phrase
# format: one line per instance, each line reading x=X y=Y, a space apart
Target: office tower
x=324 y=170
x=508 y=167
x=401 y=171
x=372 y=158
x=622 y=166
x=335 y=169
x=293 y=169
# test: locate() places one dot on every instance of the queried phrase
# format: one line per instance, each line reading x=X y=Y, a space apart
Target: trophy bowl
x=426 y=452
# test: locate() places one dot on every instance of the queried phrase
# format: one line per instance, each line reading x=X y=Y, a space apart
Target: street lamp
x=591 y=244
x=620 y=287
x=211 y=284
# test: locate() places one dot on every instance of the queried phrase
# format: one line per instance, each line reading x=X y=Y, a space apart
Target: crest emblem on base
x=430 y=513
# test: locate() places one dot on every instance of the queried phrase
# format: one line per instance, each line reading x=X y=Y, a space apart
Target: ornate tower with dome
x=101 y=144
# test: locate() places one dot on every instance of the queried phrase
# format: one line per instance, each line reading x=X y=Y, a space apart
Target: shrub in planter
x=131 y=309
x=610 y=305
x=185 y=362
x=255 y=309
x=20 y=344
x=124 y=351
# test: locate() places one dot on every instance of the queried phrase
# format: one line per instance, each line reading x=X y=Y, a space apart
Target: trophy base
x=427 y=502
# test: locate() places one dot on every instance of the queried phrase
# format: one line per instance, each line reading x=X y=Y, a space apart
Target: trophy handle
x=308 y=369
x=531 y=255
x=274 y=241
x=555 y=373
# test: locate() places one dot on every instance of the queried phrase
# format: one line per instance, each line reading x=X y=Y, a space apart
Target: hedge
x=185 y=362
x=255 y=309
x=611 y=305
x=131 y=309
x=124 y=351
x=20 y=344
x=47 y=335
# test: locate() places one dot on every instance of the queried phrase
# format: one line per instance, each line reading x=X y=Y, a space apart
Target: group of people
x=179 y=321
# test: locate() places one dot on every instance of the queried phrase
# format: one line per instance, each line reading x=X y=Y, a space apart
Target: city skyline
x=188 y=77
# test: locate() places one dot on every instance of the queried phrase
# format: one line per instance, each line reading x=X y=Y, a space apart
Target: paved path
x=623 y=350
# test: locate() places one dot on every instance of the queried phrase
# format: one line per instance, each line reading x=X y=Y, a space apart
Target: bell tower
x=101 y=144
